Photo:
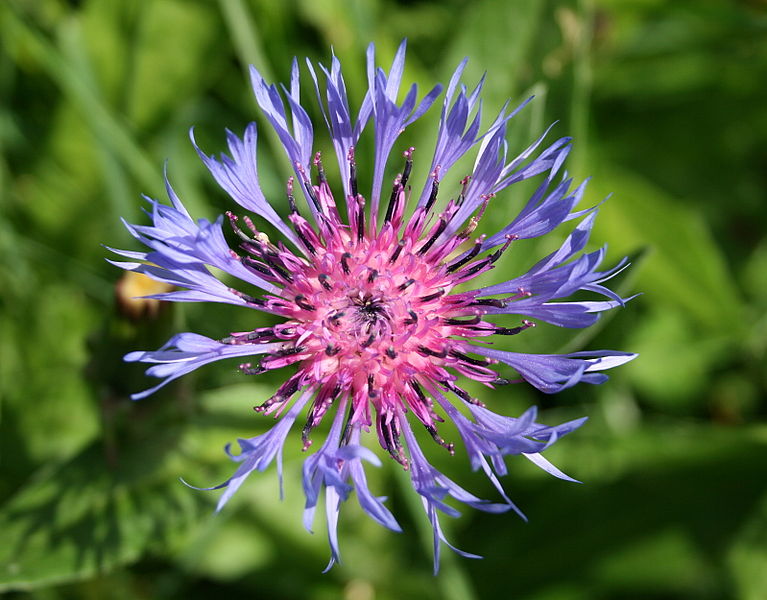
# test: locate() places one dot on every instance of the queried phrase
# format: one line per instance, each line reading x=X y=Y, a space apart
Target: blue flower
x=372 y=326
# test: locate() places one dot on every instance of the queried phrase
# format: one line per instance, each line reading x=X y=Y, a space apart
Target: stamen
x=301 y=301
x=291 y=198
x=249 y=369
x=468 y=359
x=430 y=242
x=352 y=173
x=283 y=393
x=285 y=352
x=257 y=266
x=434 y=190
x=473 y=270
x=419 y=392
x=461 y=393
x=344 y=262
x=400 y=184
x=514 y=330
x=233 y=223
x=403 y=286
x=464 y=184
x=458 y=322
x=304 y=240
x=258 y=334
x=320 y=169
x=450 y=447
x=249 y=299
x=360 y=218
x=397 y=250
x=494 y=302
x=373 y=275
x=372 y=393
x=272 y=260
x=429 y=352
x=309 y=188
x=323 y=279
x=413 y=318
x=433 y=296
x=466 y=258
x=497 y=254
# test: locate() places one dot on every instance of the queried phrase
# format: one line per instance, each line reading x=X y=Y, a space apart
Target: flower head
x=377 y=329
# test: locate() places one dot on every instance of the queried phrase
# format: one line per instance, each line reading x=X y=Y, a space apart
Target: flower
x=375 y=328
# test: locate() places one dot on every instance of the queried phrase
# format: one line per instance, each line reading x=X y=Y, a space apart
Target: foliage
x=667 y=103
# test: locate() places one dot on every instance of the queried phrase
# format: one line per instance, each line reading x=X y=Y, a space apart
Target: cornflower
x=380 y=320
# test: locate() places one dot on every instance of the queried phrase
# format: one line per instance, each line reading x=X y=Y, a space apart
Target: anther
x=271 y=259
x=249 y=299
x=323 y=279
x=397 y=250
x=264 y=406
x=286 y=352
x=468 y=359
x=458 y=322
x=312 y=195
x=400 y=184
x=369 y=341
x=249 y=369
x=257 y=266
x=352 y=172
x=461 y=393
x=391 y=353
x=332 y=350
x=419 y=392
x=476 y=268
x=305 y=435
x=440 y=440
x=464 y=184
x=429 y=352
x=320 y=169
x=304 y=240
x=360 y=219
x=514 y=330
x=291 y=198
x=469 y=255
x=372 y=276
x=434 y=296
x=345 y=262
x=434 y=190
x=430 y=242
x=301 y=301
x=413 y=318
x=258 y=334
x=494 y=302
x=403 y=286
x=408 y=154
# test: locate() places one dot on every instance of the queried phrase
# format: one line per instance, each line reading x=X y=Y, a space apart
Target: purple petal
x=552 y=373
x=238 y=176
x=186 y=352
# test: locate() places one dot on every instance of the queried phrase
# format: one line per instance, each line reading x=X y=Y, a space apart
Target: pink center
x=369 y=311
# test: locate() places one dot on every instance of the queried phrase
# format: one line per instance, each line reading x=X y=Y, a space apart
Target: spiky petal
x=373 y=328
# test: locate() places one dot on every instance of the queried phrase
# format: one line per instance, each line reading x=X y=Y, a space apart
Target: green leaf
x=686 y=269
x=78 y=519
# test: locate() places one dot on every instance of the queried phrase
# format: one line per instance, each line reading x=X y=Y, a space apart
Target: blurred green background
x=668 y=104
